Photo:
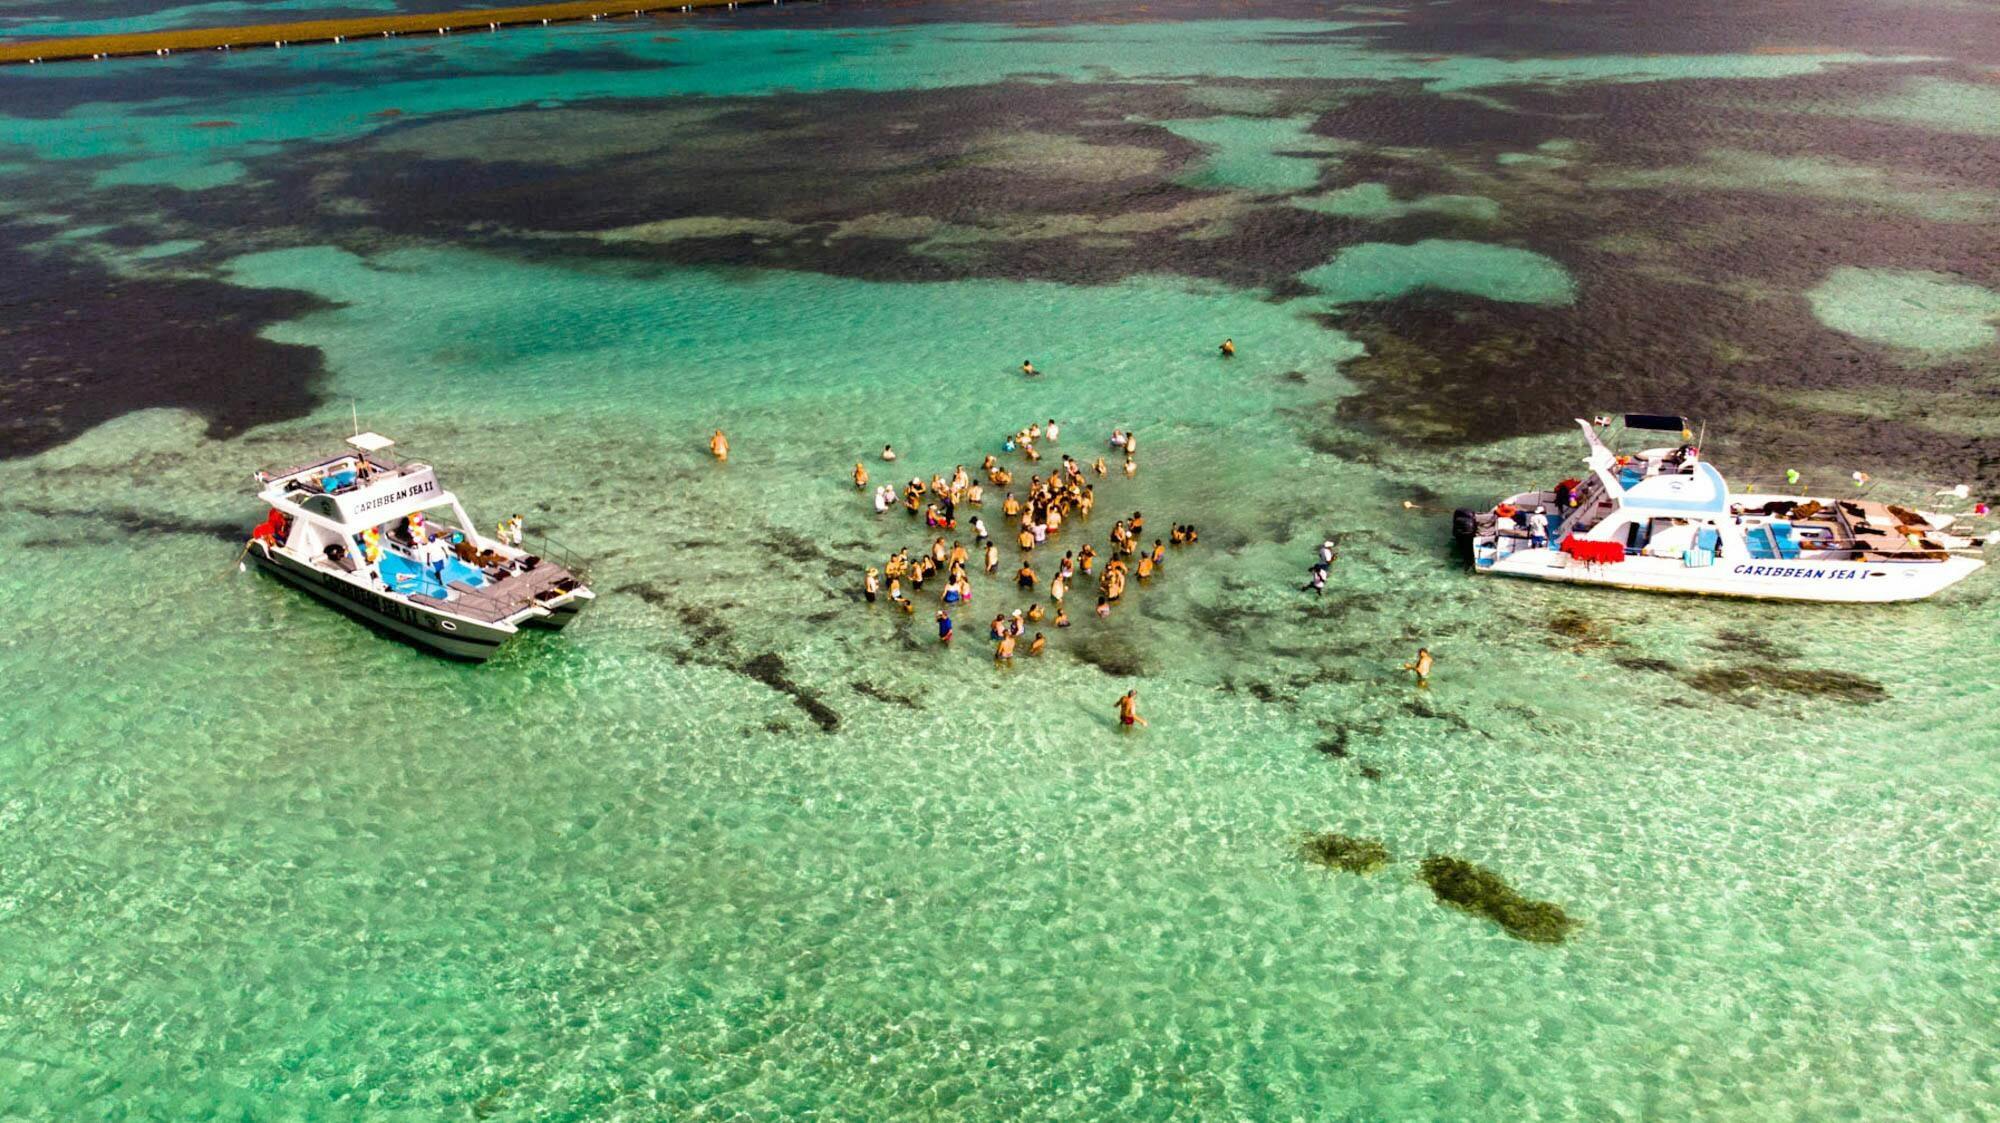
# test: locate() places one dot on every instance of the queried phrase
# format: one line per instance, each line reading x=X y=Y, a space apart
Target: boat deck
x=497 y=600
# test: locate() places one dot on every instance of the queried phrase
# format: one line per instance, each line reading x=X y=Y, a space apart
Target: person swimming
x=888 y=453
x=1028 y=367
x=1228 y=348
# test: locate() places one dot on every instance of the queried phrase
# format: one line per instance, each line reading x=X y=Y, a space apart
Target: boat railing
x=379 y=463
x=548 y=549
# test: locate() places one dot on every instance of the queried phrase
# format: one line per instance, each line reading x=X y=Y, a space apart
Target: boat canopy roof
x=369 y=442
x=1700 y=493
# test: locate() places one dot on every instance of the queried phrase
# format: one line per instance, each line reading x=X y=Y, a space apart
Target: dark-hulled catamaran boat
x=355 y=529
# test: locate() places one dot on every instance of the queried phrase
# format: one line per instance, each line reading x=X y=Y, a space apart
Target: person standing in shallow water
x=944 y=627
x=718 y=446
x=1228 y=348
x=1128 y=710
x=1422 y=666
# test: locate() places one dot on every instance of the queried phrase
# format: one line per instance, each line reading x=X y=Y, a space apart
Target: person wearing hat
x=1326 y=556
x=1538 y=528
x=871 y=584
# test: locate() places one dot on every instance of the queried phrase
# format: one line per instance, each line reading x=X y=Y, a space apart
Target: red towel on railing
x=1600 y=553
x=272 y=526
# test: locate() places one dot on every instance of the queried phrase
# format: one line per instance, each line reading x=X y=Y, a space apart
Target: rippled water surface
x=738 y=844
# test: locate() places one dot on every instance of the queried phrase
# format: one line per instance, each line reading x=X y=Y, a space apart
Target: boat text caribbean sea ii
x=1663 y=519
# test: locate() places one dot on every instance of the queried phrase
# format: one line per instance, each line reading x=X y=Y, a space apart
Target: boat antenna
x=354 y=407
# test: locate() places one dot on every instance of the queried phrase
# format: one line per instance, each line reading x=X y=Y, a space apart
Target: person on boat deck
x=431 y=556
x=510 y=531
x=1538 y=528
x=419 y=534
x=371 y=545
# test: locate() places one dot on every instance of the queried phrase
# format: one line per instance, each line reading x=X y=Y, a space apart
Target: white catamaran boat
x=352 y=530
x=1663 y=519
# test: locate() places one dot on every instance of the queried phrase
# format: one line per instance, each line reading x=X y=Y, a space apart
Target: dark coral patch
x=769 y=669
x=80 y=345
x=1344 y=852
x=1476 y=889
x=1747 y=683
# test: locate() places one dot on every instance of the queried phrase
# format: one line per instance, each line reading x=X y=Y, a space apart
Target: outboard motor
x=1464 y=525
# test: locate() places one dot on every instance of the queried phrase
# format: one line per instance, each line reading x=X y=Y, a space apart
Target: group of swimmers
x=1038 y=512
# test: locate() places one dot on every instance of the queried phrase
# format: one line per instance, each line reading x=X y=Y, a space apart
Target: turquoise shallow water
x=257 y=861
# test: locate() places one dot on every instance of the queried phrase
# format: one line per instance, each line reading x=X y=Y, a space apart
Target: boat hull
x=1826 y=582
x=457 y=638
x=562 y=614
